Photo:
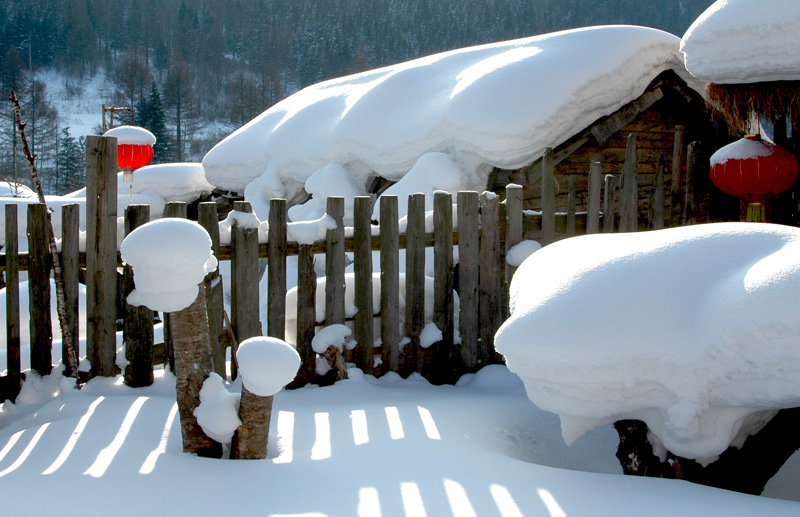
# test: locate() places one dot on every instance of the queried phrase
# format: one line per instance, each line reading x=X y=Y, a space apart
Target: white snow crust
x=742 y=149
x=495 y=105
x=519 y=252
x=170 y=257
x=745 y=41
x=132 y=135
x=267 y=364
x=693 y=330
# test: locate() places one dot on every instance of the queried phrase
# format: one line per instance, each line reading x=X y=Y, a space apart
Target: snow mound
x=218 y=412
x=132 y=135
x=742 y=41
x=693 y=330
x=501 y=104
x=267 y=364
x=170 y=257
x=184 y=182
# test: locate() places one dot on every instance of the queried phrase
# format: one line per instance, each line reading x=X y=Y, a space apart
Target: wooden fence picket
x=41 y=330
x=244 y=283
x=364 y=354
x=70 y=267
x=441 y=369
x=390 y=284
x=207 y=218
x=491 y=267
x=335 y=264
x=12 y=301
x=137 y=334
x=276 y=269
x=415 y=282
x=468 y=279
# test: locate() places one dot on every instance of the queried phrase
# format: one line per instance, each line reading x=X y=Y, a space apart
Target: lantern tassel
x=127 y=175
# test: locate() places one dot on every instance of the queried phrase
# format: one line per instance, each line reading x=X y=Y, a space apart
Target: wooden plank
x=548 y=199
x=244 y=283
x=609 y=202
x=208 y=219
x=306 y=315
x=334 y=264
x=12 y=299
x=276 y=269
x=137 y=333
x=602 y=131
x=390 y=285
x=570 y=206
x=70 y=238
x=364 y=356
x=514 y=234
x=178 y=210
x=593 y=201
x=676 y=192
x=690 y=205
x=629 y=197
x=658 y=197
x=41 y=331
x=441 y=368
x=491 y=259
x=415 y=281
x=468 y=278
x=101 y=254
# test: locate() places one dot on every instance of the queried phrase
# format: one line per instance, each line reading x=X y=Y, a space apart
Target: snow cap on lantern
x=134 y=146
x=753 y=169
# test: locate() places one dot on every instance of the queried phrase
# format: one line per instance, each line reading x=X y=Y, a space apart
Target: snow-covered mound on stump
x=502 y=103
x=692 y=330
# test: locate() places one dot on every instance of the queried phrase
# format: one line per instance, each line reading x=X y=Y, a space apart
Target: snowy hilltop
x=467 y=111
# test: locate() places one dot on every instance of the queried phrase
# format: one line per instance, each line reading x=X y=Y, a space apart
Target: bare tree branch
x=66 y=337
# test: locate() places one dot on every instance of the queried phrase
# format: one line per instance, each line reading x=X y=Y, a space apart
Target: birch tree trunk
x=251 y=438
x=192 y=367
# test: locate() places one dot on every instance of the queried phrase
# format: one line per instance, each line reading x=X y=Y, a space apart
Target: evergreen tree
x=150 y=115
x=71 y=163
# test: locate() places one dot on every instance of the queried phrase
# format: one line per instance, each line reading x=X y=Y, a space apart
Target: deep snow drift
x=694 y=330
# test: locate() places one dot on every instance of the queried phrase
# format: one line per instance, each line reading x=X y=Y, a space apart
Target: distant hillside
x=190 y=65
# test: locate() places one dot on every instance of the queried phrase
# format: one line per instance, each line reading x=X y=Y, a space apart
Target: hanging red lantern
x=753 y=170
x=134 y=148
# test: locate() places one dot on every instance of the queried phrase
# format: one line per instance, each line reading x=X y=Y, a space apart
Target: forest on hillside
x=193 y=70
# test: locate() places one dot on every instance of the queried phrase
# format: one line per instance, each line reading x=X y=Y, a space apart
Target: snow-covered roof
x=499 y=104
x=692 y=330
x=744 y=41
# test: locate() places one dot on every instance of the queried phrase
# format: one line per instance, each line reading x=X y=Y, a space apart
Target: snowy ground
x=361 y=447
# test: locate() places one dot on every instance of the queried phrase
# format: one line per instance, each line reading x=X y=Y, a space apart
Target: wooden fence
x=487 y=227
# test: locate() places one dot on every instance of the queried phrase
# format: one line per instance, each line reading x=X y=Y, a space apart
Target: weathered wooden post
x=12 y=299
x=101 y=254
x=676 y=192
x=442 y=369
x=70 y=238
x=276 y=269
x=658 y=195
x=548 y=198
x=609 y=202
x=390 y=284
x=629 y=198
x=415 y=281
x=244 y=282
x=593 y=200
x=571 y=207
x=207 y=218
x=468 y=279
x=176 y=209
x=364 y=356
x=491 y=259
x=138 y=326
x=306 y=314
x=334 y=264
x=39 y=267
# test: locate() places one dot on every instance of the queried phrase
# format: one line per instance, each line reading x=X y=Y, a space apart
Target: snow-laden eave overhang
x=671 y=82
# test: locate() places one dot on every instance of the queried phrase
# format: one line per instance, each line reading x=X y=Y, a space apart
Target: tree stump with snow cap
x=266 y=365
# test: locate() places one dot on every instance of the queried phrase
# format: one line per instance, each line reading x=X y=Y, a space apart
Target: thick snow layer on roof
x=132 y=135
x=692 y=330
x=745 y=41
x=502 y=103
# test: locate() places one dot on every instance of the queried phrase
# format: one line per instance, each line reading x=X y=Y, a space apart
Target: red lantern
x=753 y=170
x=133 y=156
x=134 y=148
